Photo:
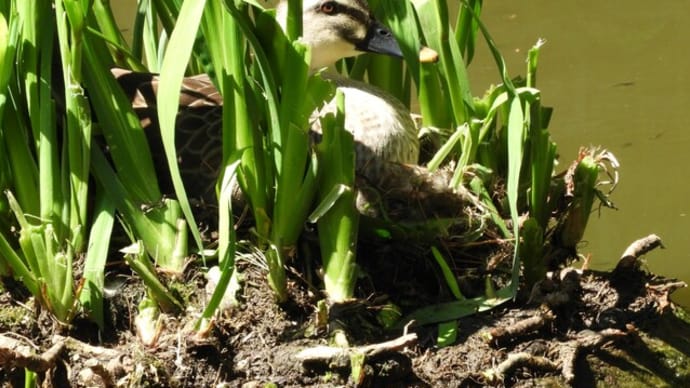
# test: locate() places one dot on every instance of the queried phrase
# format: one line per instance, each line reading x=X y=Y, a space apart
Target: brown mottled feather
x=198 y=138
x=383 y=130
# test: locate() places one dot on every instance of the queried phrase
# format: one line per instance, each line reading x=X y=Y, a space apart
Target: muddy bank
x=579 y=327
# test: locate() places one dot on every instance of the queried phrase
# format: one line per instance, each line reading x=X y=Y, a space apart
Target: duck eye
x=329 y=7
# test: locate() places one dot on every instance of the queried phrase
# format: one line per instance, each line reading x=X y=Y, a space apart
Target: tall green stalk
x=339 y=225
x=52 y=226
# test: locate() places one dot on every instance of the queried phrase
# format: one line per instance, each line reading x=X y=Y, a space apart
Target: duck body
x=384 y=132
x=382 y=127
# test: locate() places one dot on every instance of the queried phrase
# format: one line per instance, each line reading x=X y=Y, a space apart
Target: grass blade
x=516 y=133
x=91 y=296
x=172 y=71
x=448 y=275
x=226 y=249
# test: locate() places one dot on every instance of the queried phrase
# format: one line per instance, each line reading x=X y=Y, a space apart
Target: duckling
x=382 y=127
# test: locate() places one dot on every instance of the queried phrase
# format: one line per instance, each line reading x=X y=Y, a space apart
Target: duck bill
x=380 y=40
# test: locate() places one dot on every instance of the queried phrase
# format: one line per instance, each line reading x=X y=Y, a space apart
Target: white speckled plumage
x=381 y=125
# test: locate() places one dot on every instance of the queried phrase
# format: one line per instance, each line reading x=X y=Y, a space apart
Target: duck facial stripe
x=355 y=30
x=360 y=15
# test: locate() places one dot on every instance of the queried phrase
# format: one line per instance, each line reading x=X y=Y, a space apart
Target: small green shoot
x=447 y=333
x=448 y=274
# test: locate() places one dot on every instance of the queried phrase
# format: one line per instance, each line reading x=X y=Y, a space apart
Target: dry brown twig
x=568 y=353
x=501 y=334
x=638 y=248
x=515 y=360
x=325 y=354
x=16 y=353
x=584 y=341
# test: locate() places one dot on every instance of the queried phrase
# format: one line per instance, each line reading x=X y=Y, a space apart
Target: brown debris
x=663 y=292
x=558 y=289
x=408 y=193
x=102 y=366
x=502 y=334
x=584 y=341
x=635 y=250
x=563 y=359
x=17 y=353
x=497 y=374
x=326 y=354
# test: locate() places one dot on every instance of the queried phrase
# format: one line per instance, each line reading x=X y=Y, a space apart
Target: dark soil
x=579 y=327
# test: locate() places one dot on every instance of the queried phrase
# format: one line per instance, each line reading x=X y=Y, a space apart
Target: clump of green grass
x=64 y=192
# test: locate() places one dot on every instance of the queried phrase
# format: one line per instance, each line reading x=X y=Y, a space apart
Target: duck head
x=336 y=29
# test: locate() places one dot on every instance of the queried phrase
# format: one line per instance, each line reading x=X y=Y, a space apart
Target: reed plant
x=53 y=52
x=49 y=167
x=499 y=139
x=64 y=190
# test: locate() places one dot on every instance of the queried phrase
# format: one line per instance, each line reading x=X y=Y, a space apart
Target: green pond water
x=616 y=73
